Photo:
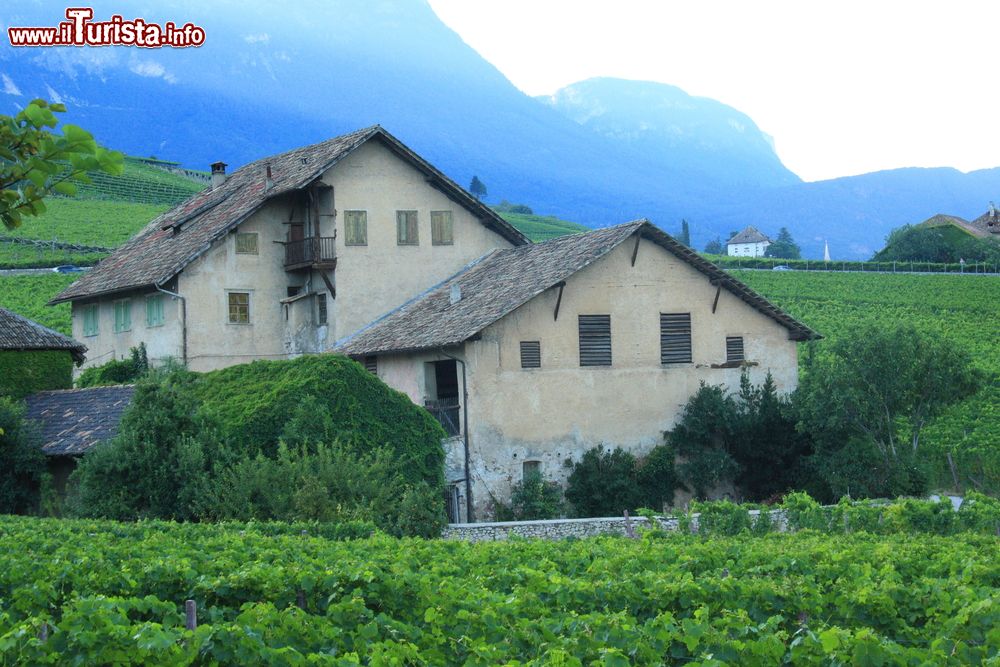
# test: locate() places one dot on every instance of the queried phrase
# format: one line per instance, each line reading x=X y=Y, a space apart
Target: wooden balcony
x=313 y=252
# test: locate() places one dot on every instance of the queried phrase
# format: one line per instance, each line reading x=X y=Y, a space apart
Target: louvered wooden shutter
x=734 y=348
x=371 y=364
x=675 y=338
x=531 y=354
x=595 y=340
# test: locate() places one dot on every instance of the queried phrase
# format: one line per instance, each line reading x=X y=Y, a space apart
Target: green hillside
x=142 y=182
x=542 y=227
x=964 y=308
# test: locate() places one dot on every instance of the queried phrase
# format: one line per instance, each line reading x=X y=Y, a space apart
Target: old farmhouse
x=748 y=243
x=529 y=354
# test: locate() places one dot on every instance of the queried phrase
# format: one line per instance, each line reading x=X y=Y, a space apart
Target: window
x=595 y=340
x=246 y=243
x=531 y=354
x=406 y=228
x=531 y=468
x=154 y=310
x=90 y=319
x=734 y=348
x=239 y=307
x=293 y=290
x=356 y=227
x=675 y=338
x=321 y=308
x=371 y=364
x=442 y=228
x=123 y=315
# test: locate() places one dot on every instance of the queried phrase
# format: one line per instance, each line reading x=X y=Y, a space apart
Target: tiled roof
x=749 y=235
x=176 y=238
x=942 y=220
x=72 y=421
x=503 y=280
x=988 y=222
x=20 y=333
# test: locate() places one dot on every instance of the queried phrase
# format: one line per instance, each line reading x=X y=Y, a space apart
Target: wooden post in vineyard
x=190 y=615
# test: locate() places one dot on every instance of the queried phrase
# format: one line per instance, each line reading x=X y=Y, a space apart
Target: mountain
x=662 y=123
x=273 y=76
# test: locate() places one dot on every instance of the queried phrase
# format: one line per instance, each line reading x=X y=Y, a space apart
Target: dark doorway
x=442 y=390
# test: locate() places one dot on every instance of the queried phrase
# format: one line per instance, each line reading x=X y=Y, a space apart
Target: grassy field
x=964 y=308
x=27 y=295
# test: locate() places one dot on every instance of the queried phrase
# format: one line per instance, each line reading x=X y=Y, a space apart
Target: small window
x=371 y=364
x=531 y=354
x=595 y=340
x=246 y=243
x=293 y=290
x=675 y=338
x=239 y=307
x=123 y=315
x=154 y=310
x=90 y=320
x=531 y=469
x=321 y=308
x=442 y=228
x=356 y=227
x=734 y=348
x=406 y=228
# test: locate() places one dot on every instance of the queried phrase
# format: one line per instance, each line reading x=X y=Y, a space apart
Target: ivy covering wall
x=25 y=372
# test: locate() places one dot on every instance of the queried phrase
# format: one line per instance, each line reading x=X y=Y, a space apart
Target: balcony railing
x=313 y=251
x=446 y=411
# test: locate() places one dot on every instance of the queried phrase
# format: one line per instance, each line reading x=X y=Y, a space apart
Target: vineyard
x=90 y=592
x=141 y=182
x=964 y=308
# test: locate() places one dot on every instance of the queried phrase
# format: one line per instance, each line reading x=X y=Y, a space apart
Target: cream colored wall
x=560 y=410
x=373 y=279
x=748 y=249
x=212 y=341
x=162 y=342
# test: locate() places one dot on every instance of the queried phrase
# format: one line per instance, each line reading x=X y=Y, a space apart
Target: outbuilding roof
x=496 y=284
x=989 y=221
x=73 y=421
x=174 y=239
x=748 y=235
x=19 y=333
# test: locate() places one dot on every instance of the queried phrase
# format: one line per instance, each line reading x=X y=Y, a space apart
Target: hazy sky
x=844 y=87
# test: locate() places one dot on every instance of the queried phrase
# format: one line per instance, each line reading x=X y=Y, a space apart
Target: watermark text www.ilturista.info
x=81 y=30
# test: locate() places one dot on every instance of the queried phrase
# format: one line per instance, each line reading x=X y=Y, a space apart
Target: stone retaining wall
x=552 y=529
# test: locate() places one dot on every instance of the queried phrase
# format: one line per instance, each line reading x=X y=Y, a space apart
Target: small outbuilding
x=34 y=357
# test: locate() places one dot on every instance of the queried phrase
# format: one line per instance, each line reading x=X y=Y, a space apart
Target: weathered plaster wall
x=373 y=279
x=162 y=342
x=554 y=413
x=747 y=249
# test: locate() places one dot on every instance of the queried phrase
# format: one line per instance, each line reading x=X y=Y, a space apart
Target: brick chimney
x=218 y=174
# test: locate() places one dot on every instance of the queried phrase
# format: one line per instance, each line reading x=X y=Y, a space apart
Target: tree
x=685 y=233
x=715 y=247
x=22 y=463
x=878 y=389
x=784 y=247
x=35 y=162
x=477 y=188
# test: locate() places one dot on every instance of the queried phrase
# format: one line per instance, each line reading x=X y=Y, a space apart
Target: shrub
x=25 y=372
x=158 y=465
x=22 y=463
x=703 y=437
x=117 y=371
x=532 y=498
x=603 y=483
x=656 y=477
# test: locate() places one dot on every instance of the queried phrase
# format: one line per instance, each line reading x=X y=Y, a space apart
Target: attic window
x=246 y=243
x=531 y=354
x=595 y=340
x=734 y=348
x=371 y=364
x=675 y=338
x=406 y=228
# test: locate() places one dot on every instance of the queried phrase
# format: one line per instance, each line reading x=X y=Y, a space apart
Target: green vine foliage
x=532 y=498
x=117 y=371
x=22 y=463
x=29 y=371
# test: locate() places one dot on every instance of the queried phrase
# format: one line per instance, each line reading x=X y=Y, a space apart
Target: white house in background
x=748 y=243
